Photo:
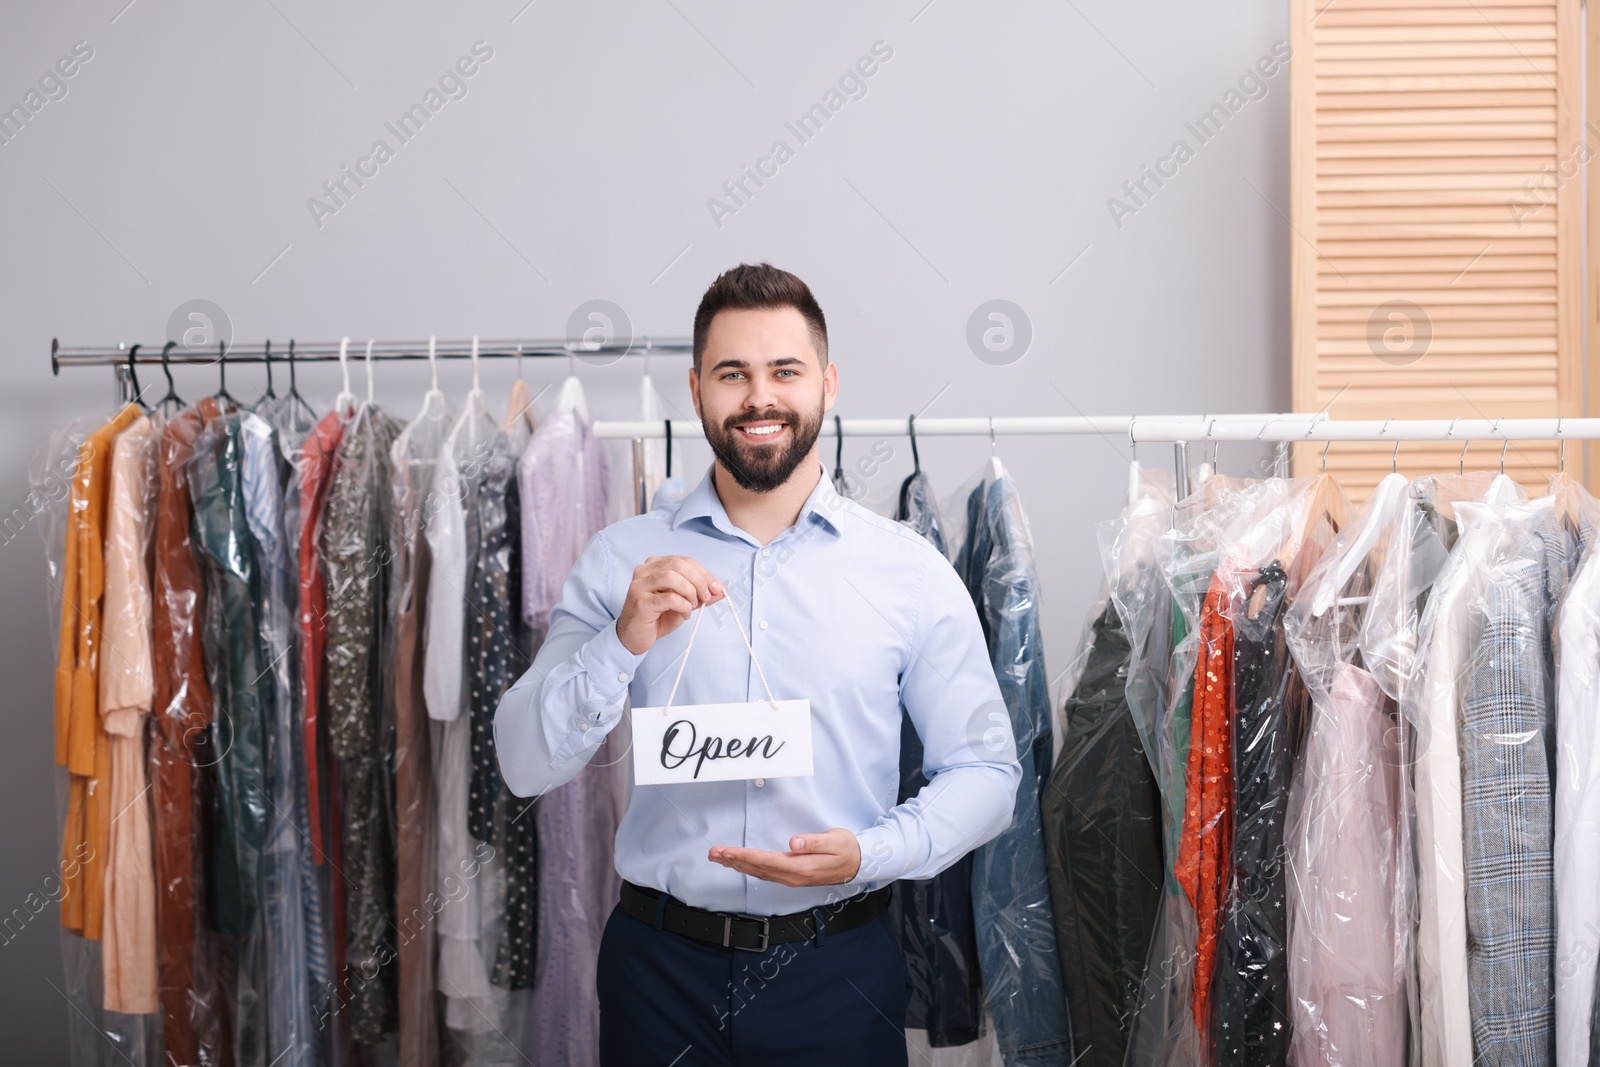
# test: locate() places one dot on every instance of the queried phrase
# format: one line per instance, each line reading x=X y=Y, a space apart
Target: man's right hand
x=665 y=590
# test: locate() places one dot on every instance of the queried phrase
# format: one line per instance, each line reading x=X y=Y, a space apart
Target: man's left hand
x=828 y=858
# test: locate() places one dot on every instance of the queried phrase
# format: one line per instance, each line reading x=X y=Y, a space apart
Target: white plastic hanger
x=345 y=398
x=995 y=470
x=572 y=399
x=433 y=401
x=476 y=405
x=369 y=372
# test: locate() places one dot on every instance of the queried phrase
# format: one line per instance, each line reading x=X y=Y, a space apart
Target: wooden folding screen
x=1436 y=183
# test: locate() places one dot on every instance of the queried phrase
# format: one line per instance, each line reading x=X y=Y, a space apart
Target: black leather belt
x=751 y=933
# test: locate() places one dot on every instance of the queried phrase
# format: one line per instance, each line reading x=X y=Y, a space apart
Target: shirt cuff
x=882 y=854
x=609 y=665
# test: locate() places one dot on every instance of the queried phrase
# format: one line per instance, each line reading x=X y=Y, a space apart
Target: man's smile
x=762 y=431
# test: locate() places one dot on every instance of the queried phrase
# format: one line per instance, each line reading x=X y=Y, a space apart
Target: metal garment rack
x=124 y=357
x=328 y=351
x=1177 y=430
x=1180 y=431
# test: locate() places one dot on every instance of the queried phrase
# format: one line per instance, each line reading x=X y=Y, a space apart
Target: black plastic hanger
x=294 y=389
x=903 y=510
x=133 y=379
x=172 y=396
x=266 y=357
x=838 y=450
x=840 y=483
x=222 y=376
x=668 y=424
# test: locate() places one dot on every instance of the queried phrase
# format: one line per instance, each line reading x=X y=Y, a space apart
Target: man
x=751 y=928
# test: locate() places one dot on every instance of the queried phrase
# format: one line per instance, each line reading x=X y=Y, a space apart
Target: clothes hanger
x=346 y=399
x=434 y=404
x=916 y=468
x=476 y=405
x=1133 y=462
x=1563 y=488
x=1382 y=502
x=266 y=358
x=369 y=372
x=222 y=376
x=1323 y=500
x=133 y=380
x=839 y=482
x=172 y=396
x=294 y=396
x=668 y=424
x=519 y=402
x=995 y=470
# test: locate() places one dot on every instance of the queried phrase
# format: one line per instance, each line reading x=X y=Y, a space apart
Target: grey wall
x=578 y=165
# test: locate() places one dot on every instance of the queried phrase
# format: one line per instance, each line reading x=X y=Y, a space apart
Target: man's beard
x=760 y=469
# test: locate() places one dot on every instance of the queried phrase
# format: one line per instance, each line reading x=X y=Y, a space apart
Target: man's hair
x=759 y=286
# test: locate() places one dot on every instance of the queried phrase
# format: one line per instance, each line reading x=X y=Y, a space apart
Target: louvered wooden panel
x=1413 y=129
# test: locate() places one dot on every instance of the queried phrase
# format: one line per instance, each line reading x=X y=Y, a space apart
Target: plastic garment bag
x=1434 y=706
x=1169 y=705
x=128 y=950
x=58 y=507
x=562 y=478
x=468 y=874
x=1101 y=806
x=918 y=510
x=1507 y=769
x=355 y=554
x=290 y=1030
x=413 y=462
x=516 y=832
x=189 y=967
x=1347 y=837
x=1577 y=791
x=1023 y=986
x=236 y=662
x=933 y=917
x=1249 y=994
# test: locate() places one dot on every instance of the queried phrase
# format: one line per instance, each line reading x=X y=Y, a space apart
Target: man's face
x=761 y=393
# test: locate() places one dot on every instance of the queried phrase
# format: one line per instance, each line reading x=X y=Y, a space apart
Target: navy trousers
x=669 y=1001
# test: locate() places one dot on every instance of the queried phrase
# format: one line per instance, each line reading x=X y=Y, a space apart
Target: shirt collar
x=823 y=506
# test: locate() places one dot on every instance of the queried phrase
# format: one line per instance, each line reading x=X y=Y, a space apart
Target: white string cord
x=684 y=662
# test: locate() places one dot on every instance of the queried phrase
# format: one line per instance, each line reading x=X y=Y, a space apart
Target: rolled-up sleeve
x=969 y=750
x=550 y=722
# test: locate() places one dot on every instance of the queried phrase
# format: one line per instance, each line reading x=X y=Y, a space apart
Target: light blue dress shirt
x=855 y=613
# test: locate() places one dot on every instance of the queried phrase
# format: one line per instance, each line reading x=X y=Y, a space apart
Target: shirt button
x=622 y=676
x=765 y=553
x=761 y=783
x=583 y=726
x=763 y=624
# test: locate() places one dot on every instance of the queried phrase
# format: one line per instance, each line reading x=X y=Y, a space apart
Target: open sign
x=722 y=742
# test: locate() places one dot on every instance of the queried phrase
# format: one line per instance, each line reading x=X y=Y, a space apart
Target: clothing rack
x=1180 y=431
x=124 y=357
x=1172 y=429
x=328 y=351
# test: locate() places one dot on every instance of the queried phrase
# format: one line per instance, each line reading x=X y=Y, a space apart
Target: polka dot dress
x=517 y=839
x=490 y=642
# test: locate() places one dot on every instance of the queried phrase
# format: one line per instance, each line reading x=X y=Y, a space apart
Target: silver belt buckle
x=766 y=932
